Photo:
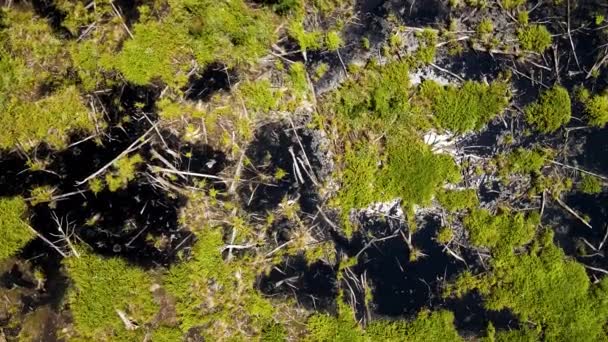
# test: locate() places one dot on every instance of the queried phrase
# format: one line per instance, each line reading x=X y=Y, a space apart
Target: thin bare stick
x=122 y=20
x=571 y=211
x=447 y=72
x=296 y=168
x=47 y=241
x=295 y=132
x=237 y=174
x=342 y=62
x=157 y=169
x=570 y=38
x=125 y=319
x=134 y=146
x=158 y=156
x=157 y=130
x=597 y=269
x=577 y=169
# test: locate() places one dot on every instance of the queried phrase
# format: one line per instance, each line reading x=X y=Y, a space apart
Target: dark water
x=268 y=153
x=314 y=285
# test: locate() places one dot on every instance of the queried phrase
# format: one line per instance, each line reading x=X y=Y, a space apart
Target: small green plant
x=485 y=27
x=333 y=41
x=321 y=70
x=298 y=79
x=590 y=184
x=454 y=200
x=596 y=107
x=522 y=161
x=445 y=235
x=534 y=38
x=523 y=17
x=124 y=171
x=551 y=111
x=42 y=194
x=512 y=4
x=15 y=231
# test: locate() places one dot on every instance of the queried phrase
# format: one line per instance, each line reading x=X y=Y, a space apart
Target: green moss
x=551 y=111
x=504 y=231
x=167 y=334
x=307 y=40
x=216 y=295
x=590 y=184
x=523 y=161
x=274 y=333
x=427 y=42
x=454 y=200
x=323 y=327
x=534 y=38
x=41 y=194
x=49 y=119
x=333 y=40
x=229 y=31
x=226 y=31
x=413 y=172
x=123 y=172
x=467 y=108
x=511 y=4
x=544 y=287
x=429 y=326
x=378 y=93
x=259 y=96
x=157 y=51
x=523 y=17
x=100 y=286
x=596 y=107
x=485 y=27
x=410 y=172
x=299 y=79
x=445 y=235
x=14 y=228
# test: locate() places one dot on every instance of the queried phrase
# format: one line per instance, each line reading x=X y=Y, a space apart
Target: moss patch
x=14 y=229
x=466 y=108
x=544 y=287
x=100 y=287
x=534 y=38
x=551 y=111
